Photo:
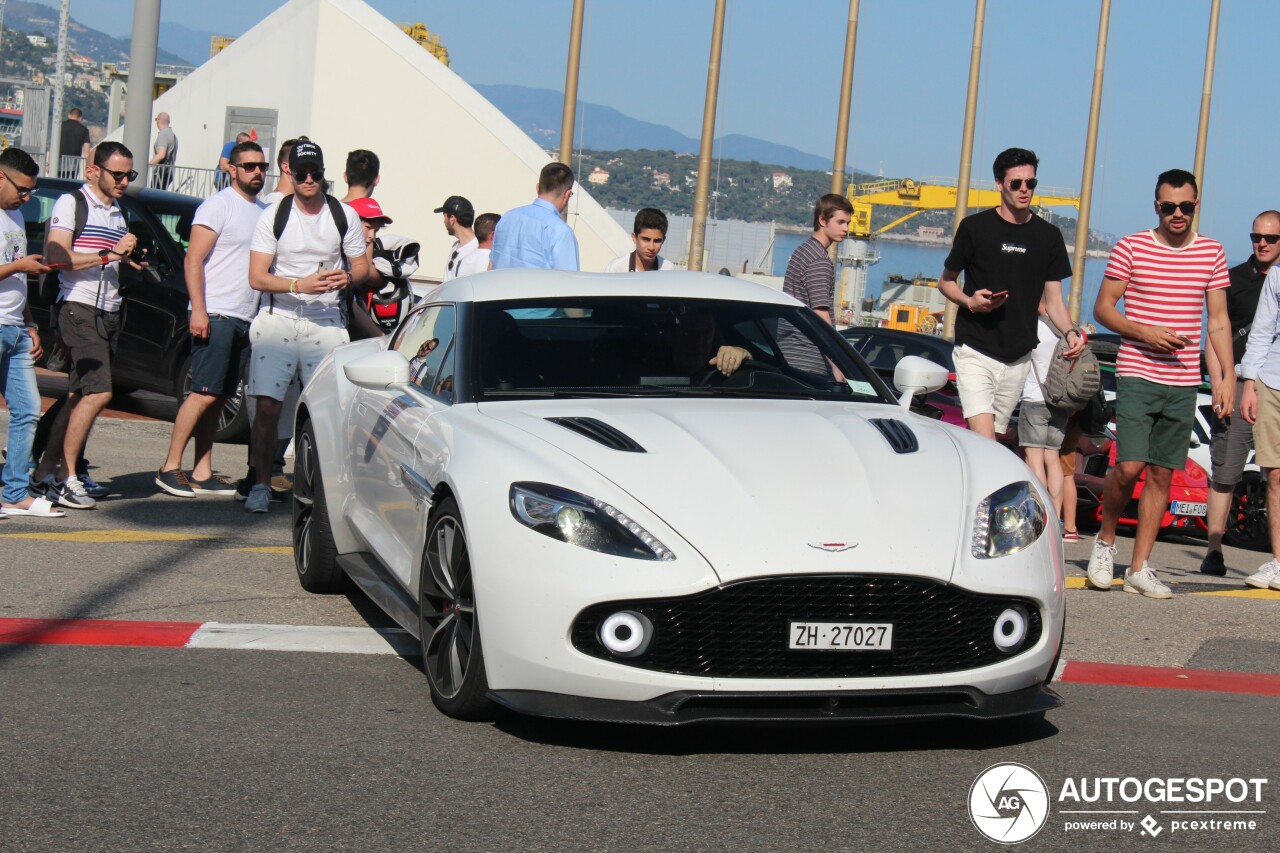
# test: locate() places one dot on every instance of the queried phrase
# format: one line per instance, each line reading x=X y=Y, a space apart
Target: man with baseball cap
x=459 y=216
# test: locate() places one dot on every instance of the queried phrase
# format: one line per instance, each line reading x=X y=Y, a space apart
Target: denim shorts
x=217 y=361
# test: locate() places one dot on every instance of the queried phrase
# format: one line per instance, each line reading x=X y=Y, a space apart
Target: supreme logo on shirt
x=1013 y=249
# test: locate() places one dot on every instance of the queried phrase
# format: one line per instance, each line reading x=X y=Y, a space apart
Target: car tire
x=315 y=555
x=233 y=419
x=448 y=623
x=1247 y=520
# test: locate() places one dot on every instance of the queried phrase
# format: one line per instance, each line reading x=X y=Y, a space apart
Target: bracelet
x=293 y=285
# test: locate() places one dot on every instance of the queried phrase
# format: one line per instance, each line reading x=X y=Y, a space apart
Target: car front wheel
x=451 y=654
x=315 y=555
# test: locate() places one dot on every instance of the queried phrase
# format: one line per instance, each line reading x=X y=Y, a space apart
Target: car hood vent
x=601 y=433
x=898 y=434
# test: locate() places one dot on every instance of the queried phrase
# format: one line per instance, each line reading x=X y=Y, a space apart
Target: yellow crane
x=934 y=194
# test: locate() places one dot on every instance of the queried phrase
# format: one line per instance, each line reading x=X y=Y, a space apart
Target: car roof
x=144 y=195
x=506 y=284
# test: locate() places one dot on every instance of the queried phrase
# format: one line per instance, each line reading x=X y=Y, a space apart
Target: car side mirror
x=915 y=375
x=378 y=371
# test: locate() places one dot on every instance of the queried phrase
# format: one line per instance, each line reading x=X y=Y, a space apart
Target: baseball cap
x=369 y=209
x=456 y=205
x=305 y=153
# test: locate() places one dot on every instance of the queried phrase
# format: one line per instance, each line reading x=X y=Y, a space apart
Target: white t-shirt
x=102 y=230
x=623 y=264
x=474 y=262
x=308 y=244
x=453 y=268
x=1041 y=358
x=13 y=247
x=226 y=270
x=271 y=197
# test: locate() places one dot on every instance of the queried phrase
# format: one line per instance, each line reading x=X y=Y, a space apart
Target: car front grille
x=740 y=630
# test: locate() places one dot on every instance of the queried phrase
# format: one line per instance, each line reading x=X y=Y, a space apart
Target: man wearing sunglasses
x=222 y=306
x=1010 y=257
x=1166 y=277
x=88 y=313
x=1233 y=436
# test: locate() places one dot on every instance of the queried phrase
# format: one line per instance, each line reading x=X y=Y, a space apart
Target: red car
x=1188 y=492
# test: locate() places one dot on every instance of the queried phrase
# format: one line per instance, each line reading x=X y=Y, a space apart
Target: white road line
x=305 y=638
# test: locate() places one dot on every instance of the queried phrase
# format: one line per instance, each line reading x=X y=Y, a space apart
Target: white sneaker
x=1145 y=582
x=1267 y=575
x=1102 y=565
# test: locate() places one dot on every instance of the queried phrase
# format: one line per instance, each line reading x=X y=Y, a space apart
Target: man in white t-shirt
x=478 y=261
x=459 y=216
x=222 y=306
x=19 y=342
x=301 y=278
x=648 y=233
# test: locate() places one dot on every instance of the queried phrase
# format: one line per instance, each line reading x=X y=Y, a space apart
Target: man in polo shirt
x=222 y=306
x=1233 y=436
x=1010 y=258
x=1166 y=276
x=301 y=278
x=535 y=236
x=459 y=219
x=88 y=313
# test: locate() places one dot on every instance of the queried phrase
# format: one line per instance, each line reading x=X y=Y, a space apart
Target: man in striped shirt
x=811 y=278
x=1166 y=277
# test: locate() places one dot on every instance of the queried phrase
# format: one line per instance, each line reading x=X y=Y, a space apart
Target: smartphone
x=57 y=266
x=998 y=295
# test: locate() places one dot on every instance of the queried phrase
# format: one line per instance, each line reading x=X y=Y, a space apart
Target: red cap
x=369 y=209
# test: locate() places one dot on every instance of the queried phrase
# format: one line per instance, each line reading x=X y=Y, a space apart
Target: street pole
x=142 y=83
x=59 y=72
x=966 y=144
x=1090 y=154
x=1206 y=95
x=699 y=230
x=571 y=85
x=846 y=96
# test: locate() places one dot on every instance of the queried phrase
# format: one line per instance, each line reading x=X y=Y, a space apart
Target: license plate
x=1189 y=508
x=841 y=636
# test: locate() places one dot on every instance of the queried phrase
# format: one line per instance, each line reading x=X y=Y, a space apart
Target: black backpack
x=50 y=282
x=1094 y=415
x=282 y=219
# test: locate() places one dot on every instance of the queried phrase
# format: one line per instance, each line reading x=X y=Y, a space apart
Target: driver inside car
x=694 y=336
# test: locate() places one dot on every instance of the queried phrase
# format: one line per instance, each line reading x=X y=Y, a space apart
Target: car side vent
x=898 y=434
x=601 y=433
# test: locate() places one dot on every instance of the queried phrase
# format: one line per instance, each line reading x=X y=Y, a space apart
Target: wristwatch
x=105 y=255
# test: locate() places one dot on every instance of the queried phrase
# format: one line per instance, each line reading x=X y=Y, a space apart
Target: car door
x=155 y=318
x=397 y=450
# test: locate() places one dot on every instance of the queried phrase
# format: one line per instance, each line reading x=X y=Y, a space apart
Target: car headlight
x=583 y=521
x=1008 y=521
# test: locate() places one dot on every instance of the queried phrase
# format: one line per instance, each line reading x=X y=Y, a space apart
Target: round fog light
x=1010 y=630
x=626 y=633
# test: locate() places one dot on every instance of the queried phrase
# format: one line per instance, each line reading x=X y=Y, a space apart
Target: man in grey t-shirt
x=164 y=153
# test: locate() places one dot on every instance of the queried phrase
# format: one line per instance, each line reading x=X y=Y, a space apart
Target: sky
x=782 y=62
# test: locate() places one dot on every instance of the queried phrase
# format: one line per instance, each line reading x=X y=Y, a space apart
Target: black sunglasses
x=253 y=166
x=302 y=175
x=23 y=192
x=1271 y=239
x=130 y=175
x=1015 y=184
x=1168 y=207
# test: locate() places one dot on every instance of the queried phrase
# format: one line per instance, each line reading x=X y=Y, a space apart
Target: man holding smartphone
x=299 y=272
x=1166 y=277
x=1010 y=257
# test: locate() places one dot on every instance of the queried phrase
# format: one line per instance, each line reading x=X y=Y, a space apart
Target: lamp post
x=966 y=143
x=699 y=229
x=1090 y=154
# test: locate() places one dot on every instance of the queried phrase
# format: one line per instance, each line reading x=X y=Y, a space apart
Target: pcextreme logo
x=1008 y=803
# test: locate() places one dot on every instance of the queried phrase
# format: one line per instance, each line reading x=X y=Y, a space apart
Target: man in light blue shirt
x=1260 y=406
x=535 y=236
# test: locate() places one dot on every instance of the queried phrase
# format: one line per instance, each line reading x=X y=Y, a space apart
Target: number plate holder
x=1192 y=508
x=840 y=636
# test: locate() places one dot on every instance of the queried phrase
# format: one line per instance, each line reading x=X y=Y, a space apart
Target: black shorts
x=217 y=361
x=90 y=336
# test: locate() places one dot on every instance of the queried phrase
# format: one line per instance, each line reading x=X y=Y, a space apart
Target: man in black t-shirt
x=73 y=142
x=1010 y=258
x=1233 y=436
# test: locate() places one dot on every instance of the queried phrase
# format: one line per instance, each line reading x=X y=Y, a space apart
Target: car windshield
x=661 y=347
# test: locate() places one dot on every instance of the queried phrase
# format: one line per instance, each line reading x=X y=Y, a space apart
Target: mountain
x=179 y=40
x=537 y=112
x=27 y=17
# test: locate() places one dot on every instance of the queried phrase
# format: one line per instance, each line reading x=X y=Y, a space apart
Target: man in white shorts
x=297 y=261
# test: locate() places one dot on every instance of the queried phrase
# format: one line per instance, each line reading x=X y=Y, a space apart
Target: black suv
x=154 y=352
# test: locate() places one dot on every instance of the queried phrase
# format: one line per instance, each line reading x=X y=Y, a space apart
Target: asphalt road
x=182 y=749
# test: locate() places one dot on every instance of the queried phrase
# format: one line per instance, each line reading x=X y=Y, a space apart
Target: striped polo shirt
x=1166 y=287
x=103 y=229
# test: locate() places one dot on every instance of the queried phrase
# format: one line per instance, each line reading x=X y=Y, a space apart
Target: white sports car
x=668 y=499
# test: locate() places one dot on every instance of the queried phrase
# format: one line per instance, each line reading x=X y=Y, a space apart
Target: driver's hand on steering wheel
x=728 y=359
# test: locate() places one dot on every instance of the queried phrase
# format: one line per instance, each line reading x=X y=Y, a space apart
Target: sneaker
x=1267 y=576
x=1145 y=582
x=1213 y=564
x=41 y=488
x=71 y=494
x=175 y=482
x=258 y=499
x=216 y=484
x=281 y=483
x=244 y=484
x=1102 y=565
x=1070 y=535
x=91 y=486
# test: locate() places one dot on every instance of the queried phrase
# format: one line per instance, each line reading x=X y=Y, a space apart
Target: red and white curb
x=395 y=641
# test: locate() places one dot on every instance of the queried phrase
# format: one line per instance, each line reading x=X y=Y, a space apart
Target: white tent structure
x=340 y=73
